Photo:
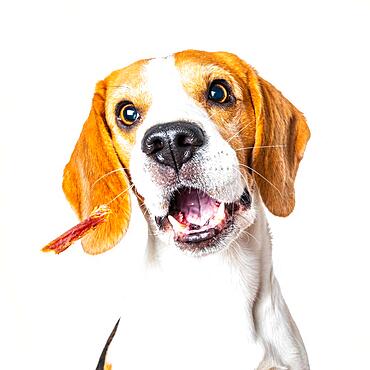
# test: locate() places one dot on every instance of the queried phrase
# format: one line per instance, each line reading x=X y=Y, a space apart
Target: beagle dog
x=202 y=141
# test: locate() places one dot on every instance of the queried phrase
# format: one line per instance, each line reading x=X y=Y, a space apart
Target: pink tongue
x=196 y=206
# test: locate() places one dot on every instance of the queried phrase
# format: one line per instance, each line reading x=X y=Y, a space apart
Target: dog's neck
x=245 y=265
x=225 y=305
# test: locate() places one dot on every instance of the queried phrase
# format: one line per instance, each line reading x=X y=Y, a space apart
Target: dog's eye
x=127 y=113
x=218 y=92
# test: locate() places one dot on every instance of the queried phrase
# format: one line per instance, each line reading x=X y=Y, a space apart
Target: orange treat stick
x=98 y=215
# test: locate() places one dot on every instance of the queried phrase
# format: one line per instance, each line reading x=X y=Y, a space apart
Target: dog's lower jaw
x=176 y=280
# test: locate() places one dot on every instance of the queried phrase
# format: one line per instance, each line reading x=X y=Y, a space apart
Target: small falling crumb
x=98 y=215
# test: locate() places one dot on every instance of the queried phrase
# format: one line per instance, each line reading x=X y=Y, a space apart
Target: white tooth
x=177 y=227
x=220 y=215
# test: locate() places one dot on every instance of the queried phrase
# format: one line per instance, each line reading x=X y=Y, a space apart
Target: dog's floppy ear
x=281 y=137
x=89 y=181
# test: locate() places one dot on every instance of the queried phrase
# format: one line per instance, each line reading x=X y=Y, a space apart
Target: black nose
x=173 y=143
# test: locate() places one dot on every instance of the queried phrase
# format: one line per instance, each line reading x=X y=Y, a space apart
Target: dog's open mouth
x=197 y=220
x=195 y=216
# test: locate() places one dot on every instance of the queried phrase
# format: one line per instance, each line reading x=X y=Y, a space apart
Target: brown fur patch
x=280 y=124
x=89 y=181
x=98 y=171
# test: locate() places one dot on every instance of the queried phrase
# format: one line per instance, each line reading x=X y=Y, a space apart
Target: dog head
x=197 y=136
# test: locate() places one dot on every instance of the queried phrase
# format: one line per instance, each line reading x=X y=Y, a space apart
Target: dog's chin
x=199 y=224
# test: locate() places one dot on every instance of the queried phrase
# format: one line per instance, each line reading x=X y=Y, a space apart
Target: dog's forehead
x=163 y=82
x=188 y=69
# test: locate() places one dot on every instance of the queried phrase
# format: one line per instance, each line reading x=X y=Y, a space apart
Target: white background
x=56 y=311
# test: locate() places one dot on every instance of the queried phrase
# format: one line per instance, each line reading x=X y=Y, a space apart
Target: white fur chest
x=186 y=313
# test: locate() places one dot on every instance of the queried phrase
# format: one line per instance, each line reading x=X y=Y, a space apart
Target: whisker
x=121 y=193
x=249 y=234
x=263 y=177
x=107 y=174
x=238 y=251
x=237 y=133
x=240 y=172
x=213 y=114
x=224 y=245
x=261 y=146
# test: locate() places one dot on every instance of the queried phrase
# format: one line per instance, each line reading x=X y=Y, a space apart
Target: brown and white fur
x=217 y=304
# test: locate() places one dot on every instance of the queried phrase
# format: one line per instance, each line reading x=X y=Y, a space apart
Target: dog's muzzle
x=199 y=221
x=173 y=144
